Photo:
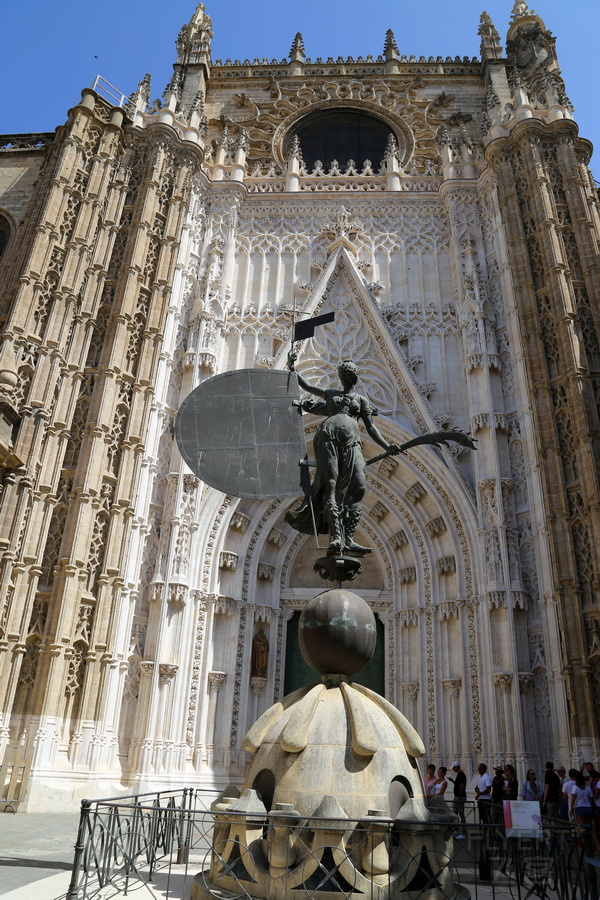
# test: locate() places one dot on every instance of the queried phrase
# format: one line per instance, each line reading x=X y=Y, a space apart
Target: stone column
x=215 y=680
x=257 y=686
x=452 y=688
x=410 y=692
x=503 y=682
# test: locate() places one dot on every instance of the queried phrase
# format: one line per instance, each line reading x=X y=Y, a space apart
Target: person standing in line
x=566 y=792
x=563 y=806
x=594 y=783
x=582 y=807
x=460 y=795
x=439 y=788
x=552 y=791
x=511 y=785
x=483 y=794
x=498 y=785
x=429 y=781
x=532 y=789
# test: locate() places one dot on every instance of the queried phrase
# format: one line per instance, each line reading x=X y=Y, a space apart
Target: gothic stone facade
x=151 y=246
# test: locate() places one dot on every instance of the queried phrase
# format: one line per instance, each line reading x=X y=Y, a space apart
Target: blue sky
x=50 y=51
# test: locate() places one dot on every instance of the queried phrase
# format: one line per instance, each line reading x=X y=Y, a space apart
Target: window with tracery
x=341 y=135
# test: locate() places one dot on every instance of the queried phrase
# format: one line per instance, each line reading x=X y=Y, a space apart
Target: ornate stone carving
x=378 y=512
x=398 y=540
x=448 y=609
x=525 y=682
x=408 y=617
x=228 y=560
x=503 y=682
x=166 y=672
x=257 y=684
x=452 y=687
x=265 y=572
x=388 y=466
x=497 y=599
x=410 y=691
x=215 y=680
x=407 y=575
x=446 y=565
x=415 y=493
x=240 y=522
x=277 y=538
x=435 y=527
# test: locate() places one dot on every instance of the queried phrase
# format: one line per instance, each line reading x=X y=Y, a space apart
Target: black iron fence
x=163 y=843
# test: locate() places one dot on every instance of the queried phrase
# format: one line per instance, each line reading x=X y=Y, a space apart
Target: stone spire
x=390 y=48
x=297 y=48
x=192 y=68
x=491 y=48
x=297 y=56
x=390 y=51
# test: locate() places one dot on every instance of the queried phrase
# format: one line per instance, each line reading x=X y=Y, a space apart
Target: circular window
x=341 y=135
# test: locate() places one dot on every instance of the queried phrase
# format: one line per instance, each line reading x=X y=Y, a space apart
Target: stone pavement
x=35 y=846
x=36 y=856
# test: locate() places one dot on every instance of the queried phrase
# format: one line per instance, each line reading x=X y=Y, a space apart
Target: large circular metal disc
x=240 y=433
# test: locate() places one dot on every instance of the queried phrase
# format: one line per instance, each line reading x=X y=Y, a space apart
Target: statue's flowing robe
x=338 y=456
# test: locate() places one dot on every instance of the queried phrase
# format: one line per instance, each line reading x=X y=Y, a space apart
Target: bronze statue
x=260 y=654
x=340 y=481
x=334 y=501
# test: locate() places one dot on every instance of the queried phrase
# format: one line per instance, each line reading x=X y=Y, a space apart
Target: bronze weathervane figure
x=333 y=502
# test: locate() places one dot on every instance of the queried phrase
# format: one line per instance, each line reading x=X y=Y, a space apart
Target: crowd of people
x=575 y=797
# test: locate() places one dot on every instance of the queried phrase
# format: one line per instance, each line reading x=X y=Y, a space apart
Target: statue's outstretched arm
x=304 y=384
x=374 y=432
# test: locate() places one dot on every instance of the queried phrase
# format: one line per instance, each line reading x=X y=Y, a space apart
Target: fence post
x=84 y=816
x=589 y=863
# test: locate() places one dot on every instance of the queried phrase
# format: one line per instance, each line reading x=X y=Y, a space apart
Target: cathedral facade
x=443 y=209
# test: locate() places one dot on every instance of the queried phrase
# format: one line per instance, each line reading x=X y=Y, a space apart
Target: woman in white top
x=581 y=805
x=441 y=784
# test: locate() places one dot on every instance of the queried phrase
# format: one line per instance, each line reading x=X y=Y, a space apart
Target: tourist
x=439 y=788
x=581 y=807
x=429 y=780
x=511 y=785
x=552 y=790
x=594 y=783
x=483 y=794
x=498 y=784
x=563 y=807
x=532 y=789
x=460 y=794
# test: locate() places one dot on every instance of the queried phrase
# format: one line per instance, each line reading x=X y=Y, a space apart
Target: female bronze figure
x=340 y=481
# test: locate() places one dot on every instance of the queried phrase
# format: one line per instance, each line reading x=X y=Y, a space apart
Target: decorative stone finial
x=490 y=47
x=390 y=48
x=297 y=48
x=520 y=10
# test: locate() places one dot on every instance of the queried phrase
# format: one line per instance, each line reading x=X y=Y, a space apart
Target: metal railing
x=114 y=96
x=160 y=842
